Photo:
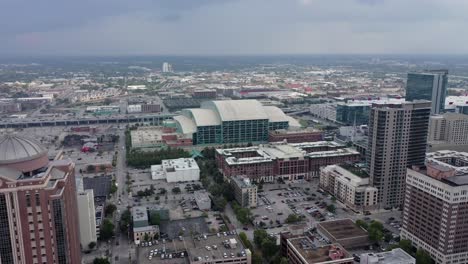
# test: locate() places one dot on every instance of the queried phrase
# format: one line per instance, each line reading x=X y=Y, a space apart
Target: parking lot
x=303 y=198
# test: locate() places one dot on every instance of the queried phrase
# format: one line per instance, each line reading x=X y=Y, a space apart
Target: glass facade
x=207 y=135
x=245 y=131
x=60 y=235
x=348 y=114
x=431 y=86
x=6 y=251
x=278 y=125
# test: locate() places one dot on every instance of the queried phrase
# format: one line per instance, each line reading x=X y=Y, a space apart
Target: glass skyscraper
x=428 y=85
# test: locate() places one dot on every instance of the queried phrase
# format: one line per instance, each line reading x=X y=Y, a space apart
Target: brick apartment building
x=288 y=161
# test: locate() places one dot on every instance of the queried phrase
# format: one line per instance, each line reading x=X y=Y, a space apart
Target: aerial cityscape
x=175 y=154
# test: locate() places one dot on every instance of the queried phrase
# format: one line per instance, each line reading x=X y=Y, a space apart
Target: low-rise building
x=147 y=137
x=282 y=160
x=295 y=136
x=203 y=200
x=142 y=230
x=301 y=250
x=350 y=185
x=395 y=256
x=245 y=192
x=344 y=232
x=176 y=170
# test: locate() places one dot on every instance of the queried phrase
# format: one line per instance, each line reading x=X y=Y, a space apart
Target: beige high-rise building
x=397 y=139
x=448 y=131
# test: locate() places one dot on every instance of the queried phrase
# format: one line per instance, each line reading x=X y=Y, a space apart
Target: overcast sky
x=218 y=27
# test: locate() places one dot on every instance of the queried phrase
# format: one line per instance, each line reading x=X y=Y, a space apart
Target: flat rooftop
x=280 y=150
x=313 y=254
x=179 y=164
x=342 y=229
x=396 y=256
x=184 y=227
x=458 y=180
x=139 y=213
x=242 y=182
x=450 y=159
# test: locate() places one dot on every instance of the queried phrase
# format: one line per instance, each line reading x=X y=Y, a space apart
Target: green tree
x=269 y=247
x=125 y=220
x=331 y=208
x=107 y=230
x=422 y=257
x=362 y=223
x=101 y=261
x=110 y=209
x=219 y=203
x=245 y=240
x=146 y=237
x=176 y=190
x=257 y=258
x=375 y=231
x=293 y=218
x=155 y=218
x=406 y=245
x=92 y=245
x=259 y=236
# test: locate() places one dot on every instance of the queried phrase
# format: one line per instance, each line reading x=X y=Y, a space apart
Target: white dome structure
x=22 y=153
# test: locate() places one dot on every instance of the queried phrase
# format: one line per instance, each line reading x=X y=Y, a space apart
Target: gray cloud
x=233 y=26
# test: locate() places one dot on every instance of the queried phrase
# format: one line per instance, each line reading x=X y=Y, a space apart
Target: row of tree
x=144 y=159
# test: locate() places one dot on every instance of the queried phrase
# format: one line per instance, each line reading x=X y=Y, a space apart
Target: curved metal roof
x=234 y=110
x=186 y=124
x=17 y=149
x=275 y=114
x=204 y=117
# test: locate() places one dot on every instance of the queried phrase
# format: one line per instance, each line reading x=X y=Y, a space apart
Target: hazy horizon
x=233 y=27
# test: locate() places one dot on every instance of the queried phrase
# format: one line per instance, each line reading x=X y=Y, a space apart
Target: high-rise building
x=87 y=218
x=397 y=139
x=436 y=207
x=449 y=128
x=428 y=85
x=38 y=205
x=166 y=67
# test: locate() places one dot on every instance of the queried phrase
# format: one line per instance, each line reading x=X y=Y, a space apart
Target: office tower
x=428 y=85
x=38 y=205
x=166 y=67
x=397 y=139
x=436 y=207
x=86 y=218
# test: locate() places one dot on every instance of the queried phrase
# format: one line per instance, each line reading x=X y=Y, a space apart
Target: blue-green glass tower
x=428 y=85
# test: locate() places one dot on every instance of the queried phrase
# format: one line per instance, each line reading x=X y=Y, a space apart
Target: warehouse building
x=232 y=121
x=176 y=170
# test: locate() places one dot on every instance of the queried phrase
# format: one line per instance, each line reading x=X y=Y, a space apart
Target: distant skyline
x=233 y=27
